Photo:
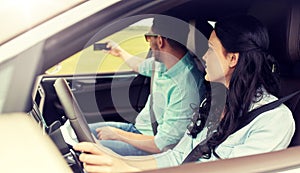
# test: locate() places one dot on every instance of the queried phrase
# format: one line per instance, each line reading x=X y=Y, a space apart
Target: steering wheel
x=73 y=111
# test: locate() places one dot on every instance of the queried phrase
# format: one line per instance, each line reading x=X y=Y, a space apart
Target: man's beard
x=157 y=55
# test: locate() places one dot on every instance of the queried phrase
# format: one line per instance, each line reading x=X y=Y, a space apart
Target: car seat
x=283 y=22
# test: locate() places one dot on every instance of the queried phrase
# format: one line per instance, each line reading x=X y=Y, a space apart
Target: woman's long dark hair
x=255 y=69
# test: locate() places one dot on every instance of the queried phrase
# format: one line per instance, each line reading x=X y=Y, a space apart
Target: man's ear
x=160 y=42
x=233 y=59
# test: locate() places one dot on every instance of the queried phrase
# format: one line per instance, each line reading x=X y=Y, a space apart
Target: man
x=176 y=84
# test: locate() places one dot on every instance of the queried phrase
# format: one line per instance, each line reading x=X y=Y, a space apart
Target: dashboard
x=60 y=132
x=37 y=108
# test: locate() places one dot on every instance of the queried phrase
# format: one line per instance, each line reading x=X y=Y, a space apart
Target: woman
x=237 y=58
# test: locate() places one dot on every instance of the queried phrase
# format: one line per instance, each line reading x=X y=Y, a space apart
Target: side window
x=89 y=60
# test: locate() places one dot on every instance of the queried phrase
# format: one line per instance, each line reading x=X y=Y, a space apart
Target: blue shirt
x=173 y=92
x=270 y=131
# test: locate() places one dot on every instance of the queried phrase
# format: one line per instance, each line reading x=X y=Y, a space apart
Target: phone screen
x=100 y=46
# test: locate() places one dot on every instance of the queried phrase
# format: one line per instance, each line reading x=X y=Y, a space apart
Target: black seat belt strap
x=254 y=113
x=152 y=115
x=197 y=152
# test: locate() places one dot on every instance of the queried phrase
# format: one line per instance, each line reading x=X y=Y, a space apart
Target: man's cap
x=171 y=28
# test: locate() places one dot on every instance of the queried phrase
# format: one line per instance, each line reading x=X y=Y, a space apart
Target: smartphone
x=101 y=46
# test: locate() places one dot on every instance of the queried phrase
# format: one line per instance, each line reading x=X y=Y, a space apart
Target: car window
x=89 y=60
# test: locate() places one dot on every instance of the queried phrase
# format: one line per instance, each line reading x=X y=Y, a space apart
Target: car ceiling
x=209 y=10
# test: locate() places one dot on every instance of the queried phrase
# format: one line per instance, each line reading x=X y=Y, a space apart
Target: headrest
x=282 y=21
x=293 y=31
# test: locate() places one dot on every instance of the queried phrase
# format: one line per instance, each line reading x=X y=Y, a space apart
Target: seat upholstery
x=282 y=21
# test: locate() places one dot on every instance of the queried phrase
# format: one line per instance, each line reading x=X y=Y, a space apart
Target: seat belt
x=254 y=113
x=197 y=152
x=154 y=123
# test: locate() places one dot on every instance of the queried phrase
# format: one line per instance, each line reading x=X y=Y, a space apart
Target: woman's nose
x=204 y=57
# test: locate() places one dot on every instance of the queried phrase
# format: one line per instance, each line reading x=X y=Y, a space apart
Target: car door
x=104 y=97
